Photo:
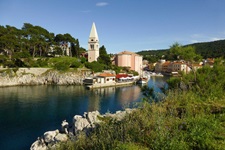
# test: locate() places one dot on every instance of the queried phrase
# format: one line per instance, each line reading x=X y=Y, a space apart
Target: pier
x=102 y=85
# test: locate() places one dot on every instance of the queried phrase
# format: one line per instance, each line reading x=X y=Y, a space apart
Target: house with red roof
x=106 y=78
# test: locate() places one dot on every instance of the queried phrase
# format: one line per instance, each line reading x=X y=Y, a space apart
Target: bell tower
x=93 y=45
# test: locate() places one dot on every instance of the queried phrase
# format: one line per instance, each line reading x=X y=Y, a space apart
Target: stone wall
x=34 y=71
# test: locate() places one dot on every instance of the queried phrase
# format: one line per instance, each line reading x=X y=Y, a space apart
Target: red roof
x=106 y=75
x=121 y=75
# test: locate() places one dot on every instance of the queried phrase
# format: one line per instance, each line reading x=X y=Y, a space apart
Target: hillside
x=211 y=49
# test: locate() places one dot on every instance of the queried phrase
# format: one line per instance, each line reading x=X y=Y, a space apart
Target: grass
x=182 y=121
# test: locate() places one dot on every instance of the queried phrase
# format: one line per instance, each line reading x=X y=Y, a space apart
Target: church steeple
x=93 y=45
x=93 y=33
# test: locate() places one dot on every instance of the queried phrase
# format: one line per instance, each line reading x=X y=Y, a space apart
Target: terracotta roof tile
x=106 y=75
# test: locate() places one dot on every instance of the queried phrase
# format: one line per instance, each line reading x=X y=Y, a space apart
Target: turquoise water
x=26 y=112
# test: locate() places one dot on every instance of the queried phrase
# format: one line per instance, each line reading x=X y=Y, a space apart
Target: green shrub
x=64 y=63
x=42 y=62
x=62 y=66
x=95 y=66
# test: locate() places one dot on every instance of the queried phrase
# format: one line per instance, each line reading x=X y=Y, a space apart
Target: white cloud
x=101 y=4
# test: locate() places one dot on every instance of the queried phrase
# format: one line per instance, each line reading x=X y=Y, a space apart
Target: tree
x=102 y=50
x=38 y=39
x=95 y=66
x=187 y=53
x=64 y=41
x=104 y=58
x=75 y=48
x=175 y=51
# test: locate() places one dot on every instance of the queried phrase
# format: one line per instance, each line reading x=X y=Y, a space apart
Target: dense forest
x=35 y=41
x=212 y=49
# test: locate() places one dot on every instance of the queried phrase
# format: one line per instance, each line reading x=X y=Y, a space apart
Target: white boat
x=142 y=81
x=159 y=75
x=153 y=74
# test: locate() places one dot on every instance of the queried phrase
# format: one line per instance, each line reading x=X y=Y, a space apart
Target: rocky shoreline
x=85 y=123
x=39 y=76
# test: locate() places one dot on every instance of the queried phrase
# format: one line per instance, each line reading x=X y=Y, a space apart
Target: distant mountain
x=211 y=49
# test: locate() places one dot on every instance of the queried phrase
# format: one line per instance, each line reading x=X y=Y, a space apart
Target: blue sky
x=132 y=25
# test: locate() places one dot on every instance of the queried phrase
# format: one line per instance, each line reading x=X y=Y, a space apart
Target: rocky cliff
x=38 y=76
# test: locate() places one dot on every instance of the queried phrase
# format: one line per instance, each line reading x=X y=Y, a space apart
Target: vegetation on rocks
x=187 y=118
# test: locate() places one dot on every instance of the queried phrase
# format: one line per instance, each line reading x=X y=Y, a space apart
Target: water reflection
x=113 y=98
x=26 y=112
x=129 y=94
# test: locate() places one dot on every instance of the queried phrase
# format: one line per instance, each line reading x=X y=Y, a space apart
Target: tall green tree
x=104 y=58
x=179 y=52
x=66 y=40
x=39 y=39
x=75 y=48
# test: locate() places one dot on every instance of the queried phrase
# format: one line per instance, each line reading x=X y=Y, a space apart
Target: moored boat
x=142 y=81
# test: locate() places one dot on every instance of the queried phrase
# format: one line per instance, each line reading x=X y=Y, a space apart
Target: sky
x=132 y=25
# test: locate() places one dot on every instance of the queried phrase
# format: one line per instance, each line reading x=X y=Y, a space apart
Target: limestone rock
x=61 y=137
x=36 y=76
x=38 y=145
x=64 y=127
x=80 y=123
x=93 y=117
x=50 y=135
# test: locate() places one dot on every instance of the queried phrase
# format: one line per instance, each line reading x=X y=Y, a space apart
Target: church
x=93 y=45
x=124 y=59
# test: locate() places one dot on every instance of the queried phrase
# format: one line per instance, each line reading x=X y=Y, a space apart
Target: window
x=92 y=46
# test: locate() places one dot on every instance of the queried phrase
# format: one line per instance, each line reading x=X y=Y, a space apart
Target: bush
x=95 y=66
x=64 y=63
x=9 y=63
x=23 y=54
x=2 y=59
x=42 y=62
x=83 y=60
x=62 y=66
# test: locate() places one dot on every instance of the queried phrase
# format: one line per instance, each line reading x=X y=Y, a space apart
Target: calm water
x=26 y=112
